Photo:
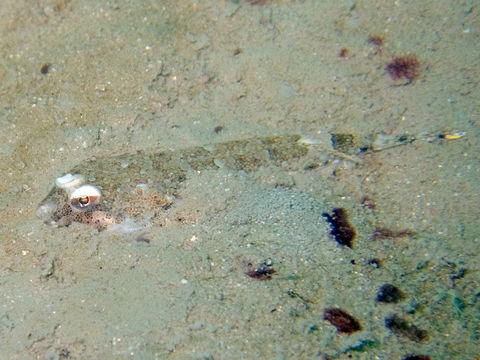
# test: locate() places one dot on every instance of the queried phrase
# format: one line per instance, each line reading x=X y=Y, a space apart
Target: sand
x=83 y=79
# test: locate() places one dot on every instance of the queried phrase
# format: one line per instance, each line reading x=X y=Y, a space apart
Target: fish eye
x=85 y=198
x=83 y=201
x=69 y=182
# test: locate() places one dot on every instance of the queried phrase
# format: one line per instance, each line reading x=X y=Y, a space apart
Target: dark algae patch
x=342 y=231
x=344 y=322
x=376 y=40
x=389 y=293
x=262 y=272
x=45 y=69
x=343 y=53
x=401 y=327
x=416 y=357
x=384 y=233
x=404 y=67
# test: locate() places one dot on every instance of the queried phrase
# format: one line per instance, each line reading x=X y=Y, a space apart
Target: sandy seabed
x=85 y=79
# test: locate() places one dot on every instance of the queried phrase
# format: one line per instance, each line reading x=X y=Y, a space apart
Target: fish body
x=132 y=191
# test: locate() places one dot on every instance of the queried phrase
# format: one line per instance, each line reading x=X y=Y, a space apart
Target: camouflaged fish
x=129 y=192
x=132 y=191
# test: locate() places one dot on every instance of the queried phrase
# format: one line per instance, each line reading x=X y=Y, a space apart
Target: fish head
x=71 y=200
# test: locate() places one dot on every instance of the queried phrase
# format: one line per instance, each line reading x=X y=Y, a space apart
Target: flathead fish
x=131 y=191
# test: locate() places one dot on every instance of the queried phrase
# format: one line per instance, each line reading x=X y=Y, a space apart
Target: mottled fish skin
x=137 y=188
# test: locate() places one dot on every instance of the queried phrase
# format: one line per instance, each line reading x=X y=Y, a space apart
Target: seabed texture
x=246 y=262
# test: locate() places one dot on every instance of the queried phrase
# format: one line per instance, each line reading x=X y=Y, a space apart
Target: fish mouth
x=60 y=216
